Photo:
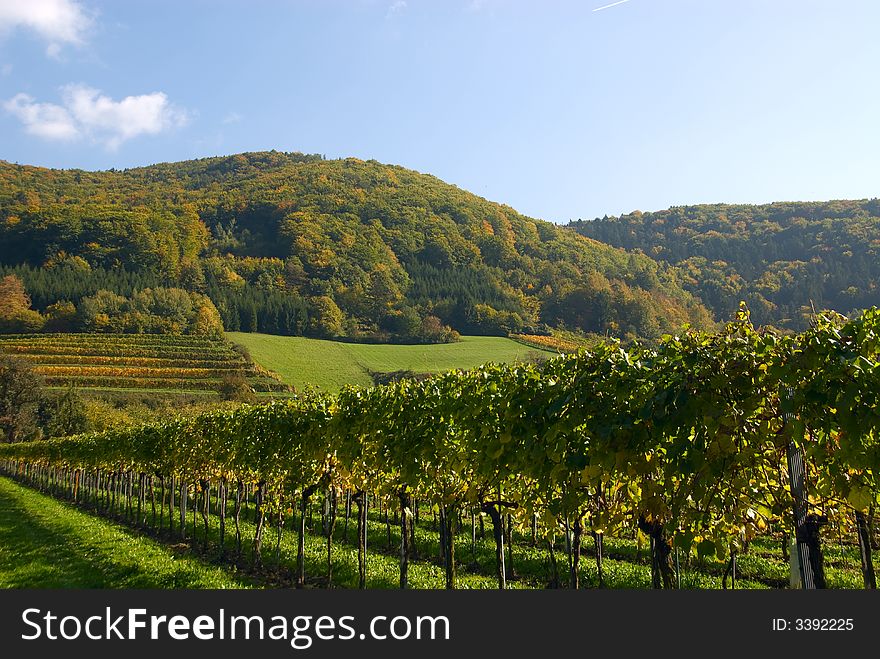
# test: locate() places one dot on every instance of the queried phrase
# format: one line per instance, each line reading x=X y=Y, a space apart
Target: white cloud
x=60 y=22
x=395 y=7
x=476 y=6
x=6 y=69
x=232 y=118
x=117 y=121
x=86 y=112
x=46 y=120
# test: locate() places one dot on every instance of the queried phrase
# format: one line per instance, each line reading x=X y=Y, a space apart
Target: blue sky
x=554 y=108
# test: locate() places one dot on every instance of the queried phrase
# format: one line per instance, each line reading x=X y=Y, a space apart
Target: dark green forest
x=288 y=243
x=784 y=259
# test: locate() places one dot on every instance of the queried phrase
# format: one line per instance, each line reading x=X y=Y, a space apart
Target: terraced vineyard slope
x=190 y=364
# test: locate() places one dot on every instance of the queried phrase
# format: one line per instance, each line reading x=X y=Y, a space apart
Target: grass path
x=47 y=544
x=332 y=364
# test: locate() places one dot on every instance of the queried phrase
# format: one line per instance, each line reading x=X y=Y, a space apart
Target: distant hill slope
x=330 y=365
x=779 y=257
x=115 y=363
x=295 y=244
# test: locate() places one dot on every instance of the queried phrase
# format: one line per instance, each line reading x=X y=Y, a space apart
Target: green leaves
x=860 y=497
x=706 y=548
x=692 y=434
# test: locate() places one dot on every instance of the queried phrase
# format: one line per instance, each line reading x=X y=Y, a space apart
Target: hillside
x=109 y=363
x=780 y=257
x=298 y=245
x=330 y=365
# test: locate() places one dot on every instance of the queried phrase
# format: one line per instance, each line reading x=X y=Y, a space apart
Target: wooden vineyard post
x=806 y=526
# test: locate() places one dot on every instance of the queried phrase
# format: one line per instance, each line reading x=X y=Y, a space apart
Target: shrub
x=235 y=387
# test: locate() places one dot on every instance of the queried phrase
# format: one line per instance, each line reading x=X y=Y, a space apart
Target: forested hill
x=779 y=257
x=296 y=244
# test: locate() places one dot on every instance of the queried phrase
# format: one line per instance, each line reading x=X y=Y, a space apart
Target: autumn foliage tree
x=20 y=395
x=16 y=314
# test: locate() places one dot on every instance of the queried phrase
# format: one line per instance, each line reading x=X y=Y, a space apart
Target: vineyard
x=135 y=361
x=551 y=343
x=707 y=446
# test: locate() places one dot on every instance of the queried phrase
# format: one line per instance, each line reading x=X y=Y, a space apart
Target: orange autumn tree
x=16 y=314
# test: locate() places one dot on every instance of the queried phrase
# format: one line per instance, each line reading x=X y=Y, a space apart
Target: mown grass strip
x=46 y=544
x=60 y=360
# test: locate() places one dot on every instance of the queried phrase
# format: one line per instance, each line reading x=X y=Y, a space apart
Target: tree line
x=148 y=311
x=785 y=259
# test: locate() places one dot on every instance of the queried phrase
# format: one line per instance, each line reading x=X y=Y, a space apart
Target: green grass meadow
x=329 y=365
x=45 y=543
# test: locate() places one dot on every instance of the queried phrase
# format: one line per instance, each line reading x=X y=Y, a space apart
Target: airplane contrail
x=613 y=4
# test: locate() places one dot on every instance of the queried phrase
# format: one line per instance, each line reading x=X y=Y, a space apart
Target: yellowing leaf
x=859 y=497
